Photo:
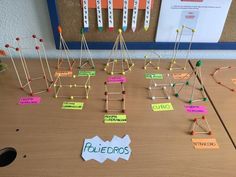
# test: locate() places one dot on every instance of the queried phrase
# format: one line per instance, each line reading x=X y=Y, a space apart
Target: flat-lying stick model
x=221 y=69
x=25 y=84
x=111 y=96
x=85 y=52
x=179 y=34
x=164 y=86
x=195 y=75
x=60 y=84
x=152 y=63
x=115 y=65
x=64 y=54
x=200 y=126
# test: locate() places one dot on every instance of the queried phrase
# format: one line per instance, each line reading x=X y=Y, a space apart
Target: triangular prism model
x=194 y=75
x=64 y=54
x=152 y=63
x=119 y=61
x=174 y=65
x=200 y=126
x=87 y=62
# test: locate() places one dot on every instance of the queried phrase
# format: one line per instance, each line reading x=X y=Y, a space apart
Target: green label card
x=87 y=73
x=115 y=119
x=162 y=107
x=153 y=76
x=73 y=105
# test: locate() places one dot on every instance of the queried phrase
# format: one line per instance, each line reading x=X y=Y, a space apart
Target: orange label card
x=63 y=73
x=205 y=143
x=234 y=81
x=179 y=76
x=118 y=4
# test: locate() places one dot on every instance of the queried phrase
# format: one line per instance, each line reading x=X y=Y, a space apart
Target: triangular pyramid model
x=119 y=61
x=85 y=61
x=194 y=75
x=200 y=126
x=64 y=54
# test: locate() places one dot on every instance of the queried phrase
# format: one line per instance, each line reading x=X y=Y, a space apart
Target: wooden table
x=52 y=138
x=223 y=99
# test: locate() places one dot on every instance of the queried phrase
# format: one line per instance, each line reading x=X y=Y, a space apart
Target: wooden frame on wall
x=55 y=21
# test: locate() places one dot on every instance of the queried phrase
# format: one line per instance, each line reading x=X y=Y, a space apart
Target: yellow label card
x=73 y=105
x=115 y=119
x=205 y=144
x=162 y=107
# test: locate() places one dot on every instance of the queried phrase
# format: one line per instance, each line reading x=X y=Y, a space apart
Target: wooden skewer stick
x=151 y=63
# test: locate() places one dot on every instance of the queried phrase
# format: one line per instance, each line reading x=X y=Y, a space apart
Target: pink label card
x=29 y=100
x=116 y=79
x=196 y=109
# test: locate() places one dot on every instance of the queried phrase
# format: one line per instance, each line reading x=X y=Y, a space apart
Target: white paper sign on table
x=99 y=150
x=207 y=17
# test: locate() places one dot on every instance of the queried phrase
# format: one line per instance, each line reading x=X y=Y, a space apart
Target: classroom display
x=85 y=127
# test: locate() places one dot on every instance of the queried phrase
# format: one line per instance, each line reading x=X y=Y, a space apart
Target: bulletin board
x=69 y=15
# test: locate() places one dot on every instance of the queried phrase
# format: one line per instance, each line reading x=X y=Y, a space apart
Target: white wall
x=27 y=17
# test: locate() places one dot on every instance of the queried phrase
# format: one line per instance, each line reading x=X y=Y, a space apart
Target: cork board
x=71 y=20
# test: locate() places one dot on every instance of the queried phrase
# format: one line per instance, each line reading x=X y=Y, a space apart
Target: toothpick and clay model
x=26 y=83
x=71 y=82
x=111 y=96
x=174 y=65
x=200 y=126
x=119 y=61
x=87 y=62
x=164 y=86
x=64 y=54
x=194 y=75
x=152 y=63
x=221 y=69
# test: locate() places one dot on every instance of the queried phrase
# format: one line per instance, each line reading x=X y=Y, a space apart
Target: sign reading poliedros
x=99 y=150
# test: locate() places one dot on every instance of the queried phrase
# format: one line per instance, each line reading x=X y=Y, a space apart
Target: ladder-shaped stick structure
x=194 y=75
x=174 y=65
x=64 y=55
x=114 y=96
x=26 y=79
x=119 y=61
x=86 y=60
x=165 y=86
x=200 y=126
x=152 y=63
x=60 y=83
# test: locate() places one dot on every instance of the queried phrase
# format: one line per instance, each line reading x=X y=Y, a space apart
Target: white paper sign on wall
x=99 y=150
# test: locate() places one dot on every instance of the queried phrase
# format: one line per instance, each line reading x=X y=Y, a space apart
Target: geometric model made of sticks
x=26 y=80
x=165 y=87
x=63 y=61
x=221 y=69
x=63 y=84
x=119 y=61
x=174 y=65
x=152 y=63
x=196 y=76
x=85 y=61
x=117 y=95
x=200 y=126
